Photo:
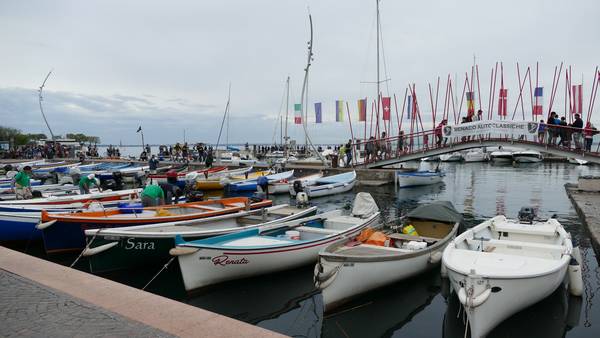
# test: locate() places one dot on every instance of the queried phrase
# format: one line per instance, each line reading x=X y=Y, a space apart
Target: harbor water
x=288 y=302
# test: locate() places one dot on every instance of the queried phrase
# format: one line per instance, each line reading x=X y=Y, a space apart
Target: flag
x=298 y=113
x=362 y=110
x=577 y=99
x=538 y=105
x=339 y=111
x=502 y=102
x=386 y=102
x=139 y=129
x=470 y=103
x=318 y=115
x=409 y=108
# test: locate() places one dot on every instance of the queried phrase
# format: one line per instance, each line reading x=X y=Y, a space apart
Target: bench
x=506 y=246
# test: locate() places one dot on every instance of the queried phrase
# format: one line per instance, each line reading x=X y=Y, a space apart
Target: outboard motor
x=36 y=194
x=118 y=180
x=527 y=215
x=263 y=183
x=298 y=186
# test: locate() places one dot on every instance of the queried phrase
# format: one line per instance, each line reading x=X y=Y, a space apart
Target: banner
x=362 y=110
x=386 y=102
x=318 y=113
x=502 y=102
x=298 y=113
x=339 y=111
x=577 y=99
x=470 y=103
x=513 y=128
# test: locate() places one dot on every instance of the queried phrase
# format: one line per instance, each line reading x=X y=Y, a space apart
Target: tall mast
x=305 y=89
x=41 y=98
x=225 y=114
x=378 y=81
x=287 y=109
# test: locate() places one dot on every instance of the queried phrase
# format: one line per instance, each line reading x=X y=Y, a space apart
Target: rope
x=86 y=247
x=161 y=270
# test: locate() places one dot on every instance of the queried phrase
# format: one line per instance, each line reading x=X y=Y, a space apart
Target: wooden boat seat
x=316 y=230
x=541 y=230
x=413 y=238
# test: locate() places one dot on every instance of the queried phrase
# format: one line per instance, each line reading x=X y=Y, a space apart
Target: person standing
x=588 y=133
x=342 y=154
x=209 y=158
x=87 y=182
x=153 y=164
x=577 y=127
x=23 y=184
x=349 y=153
x=541 y=131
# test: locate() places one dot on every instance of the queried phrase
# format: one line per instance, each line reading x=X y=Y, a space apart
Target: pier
x=585 y=196
x=40 y=298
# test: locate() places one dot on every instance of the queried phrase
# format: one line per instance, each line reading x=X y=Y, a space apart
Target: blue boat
x=252 y=184
x=16 y=226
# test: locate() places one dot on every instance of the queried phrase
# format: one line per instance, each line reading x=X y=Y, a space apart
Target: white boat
x=577 y=161
x=352 y=267
x=527 y=156
x=502 y=266
x=407 y=179
x=501 y=156
x=328 y=185
x=476 y=156
x=105 y=196
x=269 y=249
x=431 y=159
x=453 y=157
x=283 y=186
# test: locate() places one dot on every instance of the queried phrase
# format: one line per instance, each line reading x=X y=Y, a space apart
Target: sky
x=167 y=66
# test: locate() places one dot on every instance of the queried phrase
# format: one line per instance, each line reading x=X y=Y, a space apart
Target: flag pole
x=353 y=144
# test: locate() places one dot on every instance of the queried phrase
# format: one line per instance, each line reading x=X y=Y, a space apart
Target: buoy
x=575 y=276
x=301 y=198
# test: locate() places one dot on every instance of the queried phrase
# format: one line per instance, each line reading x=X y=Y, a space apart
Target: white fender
x=435 y=258
x=42 y=226
x=474 y=301
x=444 y=271
x=92 y=251
x=575 y=280
x=182 y=251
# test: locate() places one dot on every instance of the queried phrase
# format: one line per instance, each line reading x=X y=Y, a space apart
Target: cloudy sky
x=167 y=65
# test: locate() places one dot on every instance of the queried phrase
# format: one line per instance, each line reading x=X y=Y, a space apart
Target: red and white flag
x=387 y=110
x=577 y=99
x=502 y=102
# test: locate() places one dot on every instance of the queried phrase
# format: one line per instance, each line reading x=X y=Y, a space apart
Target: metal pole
x=41 y=98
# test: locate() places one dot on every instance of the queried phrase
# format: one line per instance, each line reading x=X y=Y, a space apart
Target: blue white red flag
x=538 y=105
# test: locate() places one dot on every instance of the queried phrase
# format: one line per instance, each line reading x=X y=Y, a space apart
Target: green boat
x=112 y=249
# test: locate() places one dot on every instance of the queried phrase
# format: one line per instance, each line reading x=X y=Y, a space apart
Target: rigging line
x=223 y=121
x=366 y=55
x=279 y=116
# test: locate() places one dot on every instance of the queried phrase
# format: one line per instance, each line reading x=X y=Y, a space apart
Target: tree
x=79 y=137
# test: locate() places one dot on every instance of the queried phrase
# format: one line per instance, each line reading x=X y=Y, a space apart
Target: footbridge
x=559 y=141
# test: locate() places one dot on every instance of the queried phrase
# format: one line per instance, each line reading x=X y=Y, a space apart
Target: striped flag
x=470 y=103
x=502 y=102
x=577 y=99
x=362 y=110
x=339 y=111
x=386 y=102
x=538 y=105
x=298 y=113
x=318 y=114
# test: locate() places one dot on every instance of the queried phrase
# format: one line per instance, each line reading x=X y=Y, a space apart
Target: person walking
x=153 y=164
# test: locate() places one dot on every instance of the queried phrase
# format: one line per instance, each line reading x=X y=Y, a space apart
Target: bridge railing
x=565 y=138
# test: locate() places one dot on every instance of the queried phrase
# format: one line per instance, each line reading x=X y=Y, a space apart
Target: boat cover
x=364 y=205
x=441 y=211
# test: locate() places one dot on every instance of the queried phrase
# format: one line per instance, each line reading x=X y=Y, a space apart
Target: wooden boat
x=127 y=247
x=104 y=196
x=66 y=231
x=407 y=179
x=577 y=161
x=328 y=185
x=184 y=174
x=60 y=168
x=453 y=157
x=218 y=180
x=283 y=186
x=349 y=268
x=265 y=249
x=252 y=184
x=502 y=266
x=527 y=156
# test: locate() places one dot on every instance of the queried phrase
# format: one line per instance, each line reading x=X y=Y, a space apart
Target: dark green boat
x=149 y=245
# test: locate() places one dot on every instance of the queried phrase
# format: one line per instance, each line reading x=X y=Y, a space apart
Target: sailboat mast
x=378 y=69
x=287 y=110
x=41 y=98
x=225 y=114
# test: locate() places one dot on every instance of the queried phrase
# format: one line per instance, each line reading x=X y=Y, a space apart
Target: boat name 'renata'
x=132 y=245
x=224 y=260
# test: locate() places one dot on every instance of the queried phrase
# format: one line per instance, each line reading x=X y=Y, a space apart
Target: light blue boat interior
x=345 y=177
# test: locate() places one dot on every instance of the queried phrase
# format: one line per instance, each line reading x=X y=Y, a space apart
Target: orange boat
x=64 y=232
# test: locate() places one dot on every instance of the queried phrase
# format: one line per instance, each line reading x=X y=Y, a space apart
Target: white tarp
x=364 y=205
x=511 y=128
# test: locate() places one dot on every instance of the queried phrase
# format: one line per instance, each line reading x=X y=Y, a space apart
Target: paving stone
x=28 y=309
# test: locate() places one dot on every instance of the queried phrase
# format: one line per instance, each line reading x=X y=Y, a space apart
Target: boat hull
x=19 y=226
x=527 y=159
x=514 y=296
x=407 y=180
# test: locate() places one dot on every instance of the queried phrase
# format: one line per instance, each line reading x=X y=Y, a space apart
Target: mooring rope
x=161 y=270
